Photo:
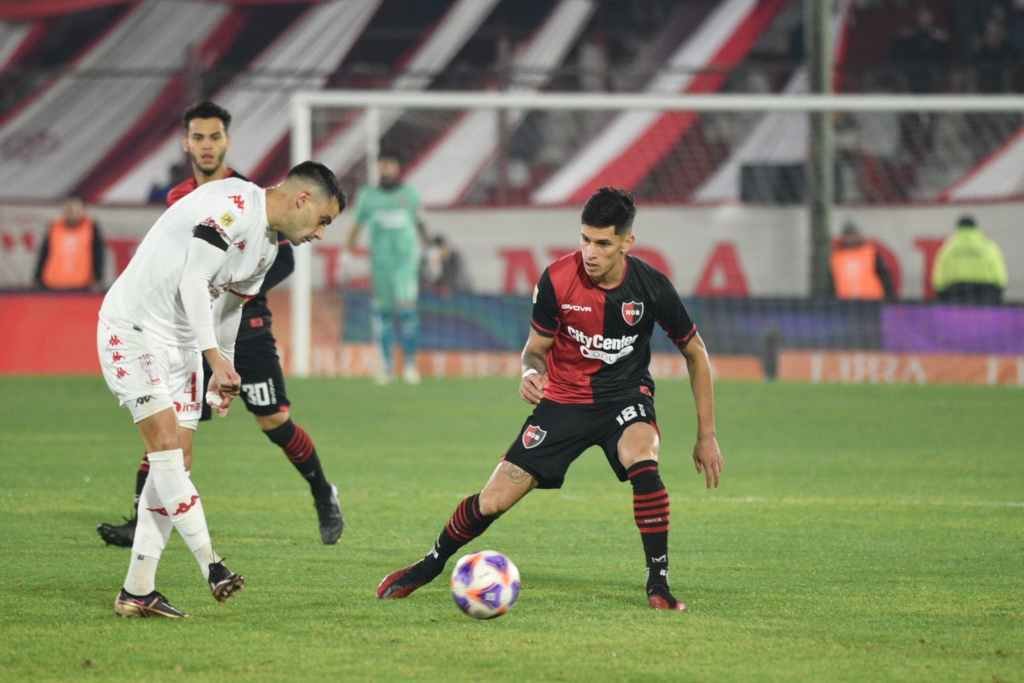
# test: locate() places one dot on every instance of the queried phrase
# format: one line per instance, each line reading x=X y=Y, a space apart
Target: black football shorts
x=259 y=366
x=557 y=433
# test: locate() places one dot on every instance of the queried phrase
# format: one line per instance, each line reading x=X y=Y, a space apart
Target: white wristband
x=529 y=371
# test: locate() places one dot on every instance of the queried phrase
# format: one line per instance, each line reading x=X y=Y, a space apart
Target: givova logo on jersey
x=608 y=350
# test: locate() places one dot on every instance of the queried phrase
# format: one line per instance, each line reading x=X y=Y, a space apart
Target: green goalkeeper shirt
x=390 y=216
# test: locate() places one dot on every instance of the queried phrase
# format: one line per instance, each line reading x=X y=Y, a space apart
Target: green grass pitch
x=861 y=533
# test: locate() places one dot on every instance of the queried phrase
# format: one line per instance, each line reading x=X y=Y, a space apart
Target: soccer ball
x=485 y=584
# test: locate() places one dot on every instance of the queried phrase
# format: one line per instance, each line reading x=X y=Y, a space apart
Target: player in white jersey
x=180 y=299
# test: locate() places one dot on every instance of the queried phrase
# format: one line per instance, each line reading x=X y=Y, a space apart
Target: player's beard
x=603 y=275
x=389 y=183
x=219 y=162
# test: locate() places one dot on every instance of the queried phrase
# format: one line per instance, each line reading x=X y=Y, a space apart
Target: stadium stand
x=237 y=51
x=301 y=56
x=635 y=140
x=445 y=171
x=420 y=59
x=80 y=117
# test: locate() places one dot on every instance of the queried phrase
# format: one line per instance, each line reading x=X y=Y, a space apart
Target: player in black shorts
x=585 y=367
x=256 y=359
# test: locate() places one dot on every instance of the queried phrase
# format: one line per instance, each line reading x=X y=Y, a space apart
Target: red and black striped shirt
x=602 y=346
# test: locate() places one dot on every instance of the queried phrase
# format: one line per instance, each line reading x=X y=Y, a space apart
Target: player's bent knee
x=186 y=451
x=638 y=443
x=268 y=422
x=160 y=431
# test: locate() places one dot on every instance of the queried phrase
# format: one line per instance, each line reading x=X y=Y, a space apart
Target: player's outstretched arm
x=707 y=456
x=535 y=367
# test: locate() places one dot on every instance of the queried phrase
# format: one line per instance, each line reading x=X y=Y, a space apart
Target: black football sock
x=651 y=513
x=465 y=524
x=301 y=452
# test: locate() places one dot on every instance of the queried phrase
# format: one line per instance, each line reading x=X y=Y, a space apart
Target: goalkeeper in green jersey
x=390 y=211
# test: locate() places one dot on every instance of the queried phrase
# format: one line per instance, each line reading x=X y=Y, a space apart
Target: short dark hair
x=324 y=177
x=207 y=110
x=389 y=153
x=610 y=207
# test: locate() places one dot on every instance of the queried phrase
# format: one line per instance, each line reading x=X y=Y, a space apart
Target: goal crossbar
x=682 y=102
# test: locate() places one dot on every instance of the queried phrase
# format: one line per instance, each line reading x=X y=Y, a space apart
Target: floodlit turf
x=860 y=534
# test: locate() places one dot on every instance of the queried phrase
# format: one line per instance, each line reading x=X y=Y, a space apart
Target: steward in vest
x=72 y=253
x=857 y=269
x=969 y=267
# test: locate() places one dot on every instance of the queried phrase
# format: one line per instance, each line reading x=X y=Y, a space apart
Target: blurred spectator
x=969 y=267
x=592 y=64
x=592 y=72
x=558 y=130
x=443 y=270
x=868 y=151
x=504 y=61
x=923 y=52
x=857 y=269
x=1015 y=25
x=994 y=59
x=71 y=256
x=158 y=192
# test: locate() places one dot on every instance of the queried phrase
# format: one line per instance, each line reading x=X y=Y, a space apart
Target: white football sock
x=151 y=533
x=141 y=579
x=180 y=500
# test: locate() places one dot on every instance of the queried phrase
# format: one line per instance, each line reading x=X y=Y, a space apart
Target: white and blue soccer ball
x=485 y=584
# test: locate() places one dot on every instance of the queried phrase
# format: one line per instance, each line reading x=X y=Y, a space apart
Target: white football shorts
x=147 y=376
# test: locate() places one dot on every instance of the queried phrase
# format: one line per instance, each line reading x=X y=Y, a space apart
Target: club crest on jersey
x=532 y=436
x=632 y=311
x=227 y=219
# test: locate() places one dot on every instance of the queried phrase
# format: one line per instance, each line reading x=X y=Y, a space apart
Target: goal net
x=739 y=204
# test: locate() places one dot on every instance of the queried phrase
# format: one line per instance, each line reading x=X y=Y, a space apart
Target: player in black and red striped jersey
x=585 y=367
x=256 y=360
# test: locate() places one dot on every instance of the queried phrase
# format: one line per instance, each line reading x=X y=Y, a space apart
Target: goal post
x=378 y=111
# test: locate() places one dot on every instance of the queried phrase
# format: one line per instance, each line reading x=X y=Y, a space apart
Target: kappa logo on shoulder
x=632 y=311
x=533 y=436
x=238 y=201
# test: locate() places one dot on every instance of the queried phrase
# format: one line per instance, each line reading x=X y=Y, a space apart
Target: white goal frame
x=372 y=101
